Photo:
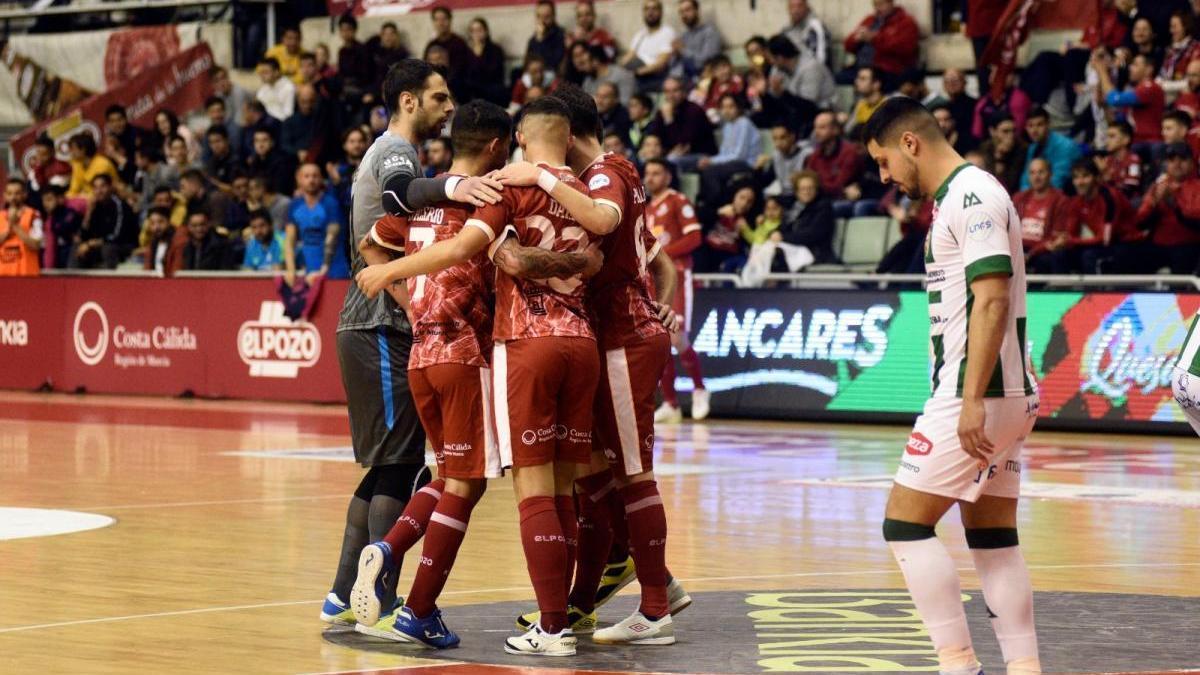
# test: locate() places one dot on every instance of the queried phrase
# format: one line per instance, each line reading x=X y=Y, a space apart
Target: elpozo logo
x=90 y=354
x=275 y=346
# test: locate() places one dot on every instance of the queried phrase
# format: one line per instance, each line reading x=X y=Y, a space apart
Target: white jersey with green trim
x=975 y=231
x=1189 y=358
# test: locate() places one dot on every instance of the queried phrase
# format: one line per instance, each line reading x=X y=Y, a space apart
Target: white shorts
x=934 y=461
x=1186 y=388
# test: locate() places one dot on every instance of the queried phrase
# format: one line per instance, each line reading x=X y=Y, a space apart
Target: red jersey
x=1146 y=118
x=672 y=221
x=1163 y=217
x=1123 y=171
x=451 y=309
x=624 y=308
x=1042 y=217
x=1189 y=102
x=1104 y=218
x=530 y=308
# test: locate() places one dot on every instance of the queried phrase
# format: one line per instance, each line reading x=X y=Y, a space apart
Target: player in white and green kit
x=1185 y=382
x=966 y=446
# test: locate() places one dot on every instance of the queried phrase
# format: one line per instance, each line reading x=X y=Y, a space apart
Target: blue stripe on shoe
x=385 y=378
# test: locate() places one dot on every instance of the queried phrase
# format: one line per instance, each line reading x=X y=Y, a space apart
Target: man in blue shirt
x=741 y=144
x=314 y=230
x=264 y=250
x=1058 y=150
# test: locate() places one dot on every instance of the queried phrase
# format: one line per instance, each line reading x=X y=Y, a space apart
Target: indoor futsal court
x=166 y=536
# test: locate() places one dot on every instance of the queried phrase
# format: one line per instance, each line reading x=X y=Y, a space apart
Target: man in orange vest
x=20 y=233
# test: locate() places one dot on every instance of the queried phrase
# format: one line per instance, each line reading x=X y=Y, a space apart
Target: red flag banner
x=180 y=83
x=44 y=93
x=1022 y=16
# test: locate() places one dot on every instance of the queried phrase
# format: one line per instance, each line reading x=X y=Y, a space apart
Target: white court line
x=357 y=671
x=216 y=502
x=234 y=608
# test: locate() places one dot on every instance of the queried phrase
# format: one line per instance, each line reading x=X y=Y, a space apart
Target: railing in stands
x=72 y=9
x=827 y=280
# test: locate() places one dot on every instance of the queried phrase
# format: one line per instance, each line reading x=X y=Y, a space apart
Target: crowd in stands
x=1098 y=142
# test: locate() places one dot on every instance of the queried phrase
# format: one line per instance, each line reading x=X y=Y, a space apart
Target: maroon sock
x=668 y=383
x=595 y=538
x=443 y=537
x=546 y=557
x=648 y=544
x=565 y=506
x=691 y=363
x=411 y=525
x=620 y=526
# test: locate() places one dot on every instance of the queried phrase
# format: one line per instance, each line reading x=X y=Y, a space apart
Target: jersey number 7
x=420 y=237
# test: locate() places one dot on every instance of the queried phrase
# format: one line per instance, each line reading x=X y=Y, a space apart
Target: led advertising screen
x=1102 y=360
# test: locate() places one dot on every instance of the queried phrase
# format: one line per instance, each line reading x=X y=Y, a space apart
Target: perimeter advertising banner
x=1102 y=359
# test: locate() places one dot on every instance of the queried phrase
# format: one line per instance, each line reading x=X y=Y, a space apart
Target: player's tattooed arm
x=374 y=254
x=536 y=263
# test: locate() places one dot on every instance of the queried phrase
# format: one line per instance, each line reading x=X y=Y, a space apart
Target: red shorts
x=454 y=402
x=682 y=302
x=625 y=404
x=544 y=391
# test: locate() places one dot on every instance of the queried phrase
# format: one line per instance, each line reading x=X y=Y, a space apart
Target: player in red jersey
x=545 y=353
x=635 y=347
x=672 y=220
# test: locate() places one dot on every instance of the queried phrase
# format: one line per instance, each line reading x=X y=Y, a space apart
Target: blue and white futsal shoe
x=375 y=570
x=335 y=612
x=430 y=632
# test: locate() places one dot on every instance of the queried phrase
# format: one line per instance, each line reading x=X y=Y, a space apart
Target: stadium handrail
x=824 y=279
x=119 y=6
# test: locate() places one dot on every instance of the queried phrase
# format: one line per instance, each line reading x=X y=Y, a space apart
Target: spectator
x=1010 y=101
x=1004 y=153
x=1059 y=150
x=614 y=118
x=652 y=148
x=962 y=142
x=697 y=44
x=235 y=97
x=456 y=48
x=354 y=60
x=166 y=198
x=287 y=54
x=651 y=48
x=483 y=74
x=383 y=51
x=164 y=254
x=264 y=248
x=152 y=173
x=299 y=130
x=257 y=119
x=587 y=32
x=239 y=212
x=1122 y=167
x=218 y=117
x=1142 y=104
x=1168 y=219
x=600 y=70
x=614 y=143
x=868 y=86
x=1043 y=212
x=723 y=248
x=961 y=105
x=259 y=195
x=686 y=132
x=439 y=58
x=168 y=126
x=912 y=85
x=548 y=41
x=1097 y=217
x=313 y=228
x=741 y=146
x=1177 y=128
x=807 y=32
x=534 y=75
x=61 y=225
x=784 y=162
x=1189 y=100
x=277 y=93
x=123 y=163
x=766 y=225
x=48 y=169
x=325 y=83
x=838 y=163
x=116 y=124
x=1142 y=40
x=1052 y=69
x=807 y=79
x=886 y=39
x=641 y=119
x=177 y=156
x=221 y=164
x=808 y=223
x=109 y=232
x=214 y=203
x=20 y=233
x=982 y=18
x=354 y=146
x=914 y=217
x=205 y=249
x=271 y=164
x=86 y=164
x=438 y=157
x=720 y=79
x=1182 y=50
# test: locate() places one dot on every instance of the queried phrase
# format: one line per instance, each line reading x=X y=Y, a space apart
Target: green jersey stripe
x=995 y=387
x=1021 y=344
x=939 y=359
x=935 y=297
x=992 y=264
x=1193 y=335
x=945 y=186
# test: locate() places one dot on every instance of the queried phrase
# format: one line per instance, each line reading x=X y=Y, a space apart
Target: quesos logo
x=275 y=346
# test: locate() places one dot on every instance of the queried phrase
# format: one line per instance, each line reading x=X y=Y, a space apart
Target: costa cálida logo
x=276 y=346
x=131 y=346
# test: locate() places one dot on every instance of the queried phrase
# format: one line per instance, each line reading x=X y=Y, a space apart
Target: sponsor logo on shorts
x=610 y=454
x=426 y=561
x=908 y=466
x=531 y=436
x=560 y=432
x=549 y=538
x=1032 y=406
x=648 y=442
x=991 y=473
x=918 y=444
x=1012 y=466
x=456 y=449
x=578 y=436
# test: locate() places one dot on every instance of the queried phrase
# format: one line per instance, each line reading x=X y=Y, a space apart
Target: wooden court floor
x=227 y=517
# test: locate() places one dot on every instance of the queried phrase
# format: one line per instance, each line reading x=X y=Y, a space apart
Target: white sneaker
x=535 y=642
x=637 y=630
x=677 y=598
x=667 y=414
x=700 y=400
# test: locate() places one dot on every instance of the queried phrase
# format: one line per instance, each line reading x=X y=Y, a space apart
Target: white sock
x=1009 y=594
x=932 y=581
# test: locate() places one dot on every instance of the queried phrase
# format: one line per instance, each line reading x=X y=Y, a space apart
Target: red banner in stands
x=209 y=337
x=392 y=7
x=179 y=83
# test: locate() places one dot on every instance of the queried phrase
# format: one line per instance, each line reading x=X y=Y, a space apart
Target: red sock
x=546 y=557
x=691 y=363
x=595 y=538
x=445 y=533
x=565 y=506
x=620 y=526
x=648 y=544
x=412 y=523
x=668 y=383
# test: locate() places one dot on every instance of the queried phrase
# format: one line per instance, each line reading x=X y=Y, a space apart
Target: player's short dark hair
x=1180 y=116
x=1123 y=127
x=582 y=111
x=1085 y=165
x=407 y=75
x=159 y=211
x=348 y=19
x=256 y=214
x=781 y=47
x=193 y=175
x=897 y=115
x=115 y=108
x=476 y=124
x=1038 y=111
x=269 y=61
x=550 y=106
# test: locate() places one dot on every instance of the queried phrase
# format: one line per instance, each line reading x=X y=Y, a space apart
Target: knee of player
x=991 y=537
x=900 y=530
